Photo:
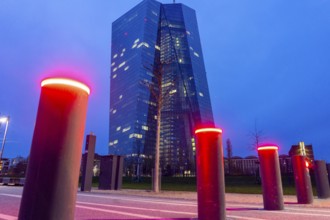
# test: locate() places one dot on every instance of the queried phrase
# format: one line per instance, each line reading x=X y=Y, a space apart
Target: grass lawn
x=233 y=184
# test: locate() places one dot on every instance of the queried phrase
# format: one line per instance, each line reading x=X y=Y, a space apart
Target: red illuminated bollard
x=271 y=178
x=302 y=178
x=210 y=174
x=53 y=170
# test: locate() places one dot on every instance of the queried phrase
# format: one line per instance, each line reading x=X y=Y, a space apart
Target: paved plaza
x=140 y=204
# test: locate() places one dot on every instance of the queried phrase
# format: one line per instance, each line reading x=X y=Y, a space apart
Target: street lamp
x=4 y=120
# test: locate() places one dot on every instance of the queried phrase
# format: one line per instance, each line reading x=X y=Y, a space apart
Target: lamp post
x=4 y=120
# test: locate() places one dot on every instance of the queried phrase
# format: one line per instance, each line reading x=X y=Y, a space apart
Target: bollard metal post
x=119 y=173
x=270 y=177
x=108 y=167
x=321 y=179
x=302 y=178
x=328 y=169
x=53 y=170
x=111 y=172
x=210 y=174
x=87 y=163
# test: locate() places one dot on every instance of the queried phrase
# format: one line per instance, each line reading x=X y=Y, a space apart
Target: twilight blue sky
x=266 y=61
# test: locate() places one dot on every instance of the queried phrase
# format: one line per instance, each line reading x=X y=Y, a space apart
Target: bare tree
x=160 y=95
x=256 y=137
x=156 y=90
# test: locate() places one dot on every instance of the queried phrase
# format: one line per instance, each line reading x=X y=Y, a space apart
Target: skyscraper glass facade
x=149 y=41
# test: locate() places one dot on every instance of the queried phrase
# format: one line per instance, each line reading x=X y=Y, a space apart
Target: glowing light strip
x=68 y=82
x=218 y=130
x=268 y=148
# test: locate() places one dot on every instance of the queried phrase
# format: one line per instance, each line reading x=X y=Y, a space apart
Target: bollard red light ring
x=68 y=82
x=202 y=130
x=270 y=147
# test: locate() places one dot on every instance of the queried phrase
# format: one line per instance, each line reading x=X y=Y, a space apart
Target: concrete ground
x=141 y=204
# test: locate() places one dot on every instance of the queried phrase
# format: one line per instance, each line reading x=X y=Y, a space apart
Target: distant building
x=302 y=149
x=242 y=166
x=18 y=166
x=250 y=165
x=4 y=165
x=15 y=161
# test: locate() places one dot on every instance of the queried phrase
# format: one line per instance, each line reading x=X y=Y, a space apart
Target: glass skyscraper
x=157 y=41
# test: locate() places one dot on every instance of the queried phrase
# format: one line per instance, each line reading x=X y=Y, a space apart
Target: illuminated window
x=149 y=102
x=126 y=68
x=118 y=128
x=157 y=47
x=196 y=54
x=122 y=54
x=122 y=64
x=166 y=84
x=139 y=136
x=172 y=91
x=134 y=45
x=126 y=129
x=137 y=40
x=144 y=44
x=114 y=76
x=114 y=111
x=180 y=60
x=154 y=13
x=134 y=15
x=121 y=96
x=113 y=143
x=201 y=94
x=115 y=69
x=112 y=64
x=123 y=50
x=188 y=32
x=145 y=128
x=114 y=56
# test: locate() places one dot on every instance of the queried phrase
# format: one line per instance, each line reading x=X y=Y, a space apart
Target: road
x=130 y=204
